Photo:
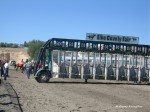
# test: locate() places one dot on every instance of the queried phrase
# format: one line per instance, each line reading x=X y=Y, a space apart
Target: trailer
x=85 y=59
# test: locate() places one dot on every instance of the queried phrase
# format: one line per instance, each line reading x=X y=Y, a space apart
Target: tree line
x=33 y=47
x=10 y=45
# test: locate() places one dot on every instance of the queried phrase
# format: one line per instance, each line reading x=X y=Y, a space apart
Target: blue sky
x=25 y=20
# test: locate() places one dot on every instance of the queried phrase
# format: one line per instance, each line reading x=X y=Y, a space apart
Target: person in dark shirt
x=6 y=69
x=2 y=67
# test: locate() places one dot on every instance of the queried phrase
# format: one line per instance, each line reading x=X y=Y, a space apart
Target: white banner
x=112 y=38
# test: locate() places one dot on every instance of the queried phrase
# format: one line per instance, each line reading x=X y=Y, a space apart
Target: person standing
x=28 y=69
x=22 y=61
x=21 y=66
x=6 y=69
x=1 y=65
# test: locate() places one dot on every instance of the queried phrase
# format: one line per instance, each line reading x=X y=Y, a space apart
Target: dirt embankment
x=13 y=54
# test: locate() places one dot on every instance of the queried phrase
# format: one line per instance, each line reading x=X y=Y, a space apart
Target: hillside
x=13 y=54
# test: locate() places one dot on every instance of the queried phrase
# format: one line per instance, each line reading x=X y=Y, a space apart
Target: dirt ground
x=6 y=104
x=72 y=95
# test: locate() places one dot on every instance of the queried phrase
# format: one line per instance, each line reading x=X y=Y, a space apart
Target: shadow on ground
x=2 y=110
x=109 y=83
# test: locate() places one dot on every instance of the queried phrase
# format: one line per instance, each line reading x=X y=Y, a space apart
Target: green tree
x=9 y=44
x=2 y=44
x=25 y=44
x=34 y=47
x=14 y=46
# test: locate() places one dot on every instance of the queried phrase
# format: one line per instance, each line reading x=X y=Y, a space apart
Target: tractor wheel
x=43 y=77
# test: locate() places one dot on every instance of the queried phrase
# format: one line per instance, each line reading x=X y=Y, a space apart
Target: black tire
x=86 y=80
x=43 y=77
x=37 y=79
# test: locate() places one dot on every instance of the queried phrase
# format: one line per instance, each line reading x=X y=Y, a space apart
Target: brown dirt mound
x=14 y=54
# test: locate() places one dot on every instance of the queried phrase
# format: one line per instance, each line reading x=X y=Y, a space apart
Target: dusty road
x=64 y=95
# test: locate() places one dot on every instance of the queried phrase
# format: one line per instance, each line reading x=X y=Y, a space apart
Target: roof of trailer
x=88 y=41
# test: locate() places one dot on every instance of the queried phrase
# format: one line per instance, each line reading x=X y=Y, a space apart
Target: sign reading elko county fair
x=112 y=38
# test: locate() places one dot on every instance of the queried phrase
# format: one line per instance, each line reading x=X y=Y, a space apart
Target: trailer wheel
x=43 y=77
x=86 y=80
x=37 y=79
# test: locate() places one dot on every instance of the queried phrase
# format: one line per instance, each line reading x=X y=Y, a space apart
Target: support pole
x=111 y=59
x=59 y=62
x=139 y=73
x=105 y=56
x=88 y=58
x=76 y=57
x=132 y=60
x=94 y=65
x=64 y=57
x=136 y=63
x=52 y=62
x=82 y=66
x=125 y=64
x=122 y=60
x=70 y=67
x=116 y=60
x=99 y=58
x=117 y=68
x=88 y=67
x=65 y=62
x=49 y=60
x=88 y=61
x=146 y=67
x=145 y=62
x=128 y=74
x=126 y=61
x=148 y=70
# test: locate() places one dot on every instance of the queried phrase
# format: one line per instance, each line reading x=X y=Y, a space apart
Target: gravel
x=73 y=95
